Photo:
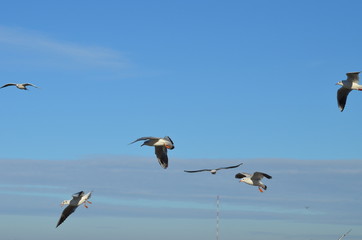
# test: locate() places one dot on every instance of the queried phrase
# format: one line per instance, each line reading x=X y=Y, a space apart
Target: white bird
x=254 y=179
x=212 y=171
x=352 y=83
x=79 y=198
x=19 y=85
x=161 y=145
x=344 y=235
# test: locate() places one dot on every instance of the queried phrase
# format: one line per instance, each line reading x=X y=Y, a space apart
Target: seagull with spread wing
x=254 y=179
x=352 y=83
x=212 y=171
x=21 y=86
x=161 y=145
x=79 y=198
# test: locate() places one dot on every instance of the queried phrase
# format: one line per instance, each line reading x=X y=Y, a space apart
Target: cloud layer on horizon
x=301 y=190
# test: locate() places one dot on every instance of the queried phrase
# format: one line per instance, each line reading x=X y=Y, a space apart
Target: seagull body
x=254 y=179
x=344 y=235
x=78 y=199
x=19 y=85
x=161 y=145
x=212 y=171
x=352 y=83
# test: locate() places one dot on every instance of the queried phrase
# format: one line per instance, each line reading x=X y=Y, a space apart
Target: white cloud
x=39 y=47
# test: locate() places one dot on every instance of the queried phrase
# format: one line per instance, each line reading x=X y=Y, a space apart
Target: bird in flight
x=212 y=171
x=21 y=86
x=79 y=198
x=352 y=83
x=254 y=179
x=161 y=145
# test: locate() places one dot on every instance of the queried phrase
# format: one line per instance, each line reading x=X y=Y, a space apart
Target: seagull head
x=213 y=171
x=169 y=146
x=340 y=83
x=65 y=202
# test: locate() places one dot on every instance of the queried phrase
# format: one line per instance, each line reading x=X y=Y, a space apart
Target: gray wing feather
x=9 y=84
x=168 y=139
x=353 y=77
x=161 y=153
x=242 y=175
x=229 y=167
x=145 y=138
x=201 y=170
x=259 y=175
x=67 y=211
x=29 y=84
x=342 y=97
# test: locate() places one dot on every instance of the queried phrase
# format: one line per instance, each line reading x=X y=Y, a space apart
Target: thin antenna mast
x=217 y=216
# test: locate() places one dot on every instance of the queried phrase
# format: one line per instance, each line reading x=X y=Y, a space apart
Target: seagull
x=344 y=235
x=352 y=83
x=212 y=171
x=254 y=179
x=79 y=198
x=19 y=85
x=161 y=145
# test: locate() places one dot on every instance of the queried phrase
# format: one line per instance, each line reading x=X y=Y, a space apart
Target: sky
x=229 y=82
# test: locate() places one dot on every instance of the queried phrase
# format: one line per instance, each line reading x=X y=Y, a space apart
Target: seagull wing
x=259 y=175
x=67 y=211
x=77 y=196
x=161 y=153
x=353 y=77
x=29 y=84
x=242 y=175
x=9 y=84
x=229 y=167
x=342 y=97
x=201 y=170
x=86 y=196
x=144 y=139
x=168 y=139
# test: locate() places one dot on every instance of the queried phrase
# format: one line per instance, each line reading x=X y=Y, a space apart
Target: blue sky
x=229 y=82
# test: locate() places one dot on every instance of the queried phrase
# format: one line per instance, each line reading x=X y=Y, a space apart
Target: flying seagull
x=344 y=235
x=79 y=198
x=352 y=83
x=161 y=145
x=254 y=179
x=19 y=85
x=212 y=171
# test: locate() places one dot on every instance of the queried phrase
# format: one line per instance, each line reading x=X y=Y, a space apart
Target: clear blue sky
x=229 y=82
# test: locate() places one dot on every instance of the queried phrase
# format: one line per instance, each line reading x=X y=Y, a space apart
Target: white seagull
x=212 y=171
x=254 y=179
x=352 y=83
x=161 y=145
x=19 y=85
x=344 y=235
x=79 y=198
